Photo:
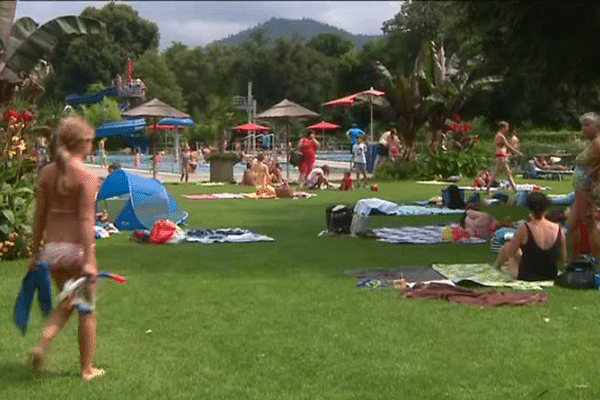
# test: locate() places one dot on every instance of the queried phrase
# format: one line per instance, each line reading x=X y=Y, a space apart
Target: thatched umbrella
x=155 y=109
x=286 y=110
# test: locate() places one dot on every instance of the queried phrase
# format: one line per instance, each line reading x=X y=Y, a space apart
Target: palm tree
x=435 y=90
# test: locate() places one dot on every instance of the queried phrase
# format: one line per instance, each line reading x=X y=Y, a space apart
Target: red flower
x=456 y=118
x=465 y=127
x=454 y=128
x=8 y=114
x=26 y=116
x=475 y=139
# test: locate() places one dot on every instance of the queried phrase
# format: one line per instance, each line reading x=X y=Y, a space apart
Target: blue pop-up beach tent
x=147 y=202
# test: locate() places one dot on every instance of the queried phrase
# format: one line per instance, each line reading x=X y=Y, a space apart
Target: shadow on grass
x=15 y=373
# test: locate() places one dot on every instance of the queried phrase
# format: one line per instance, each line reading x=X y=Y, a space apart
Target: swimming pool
x=168 y=163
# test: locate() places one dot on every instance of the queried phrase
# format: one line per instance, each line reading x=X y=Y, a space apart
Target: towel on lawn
x=486 y=275
x=473 y=297
x=214 y=196
x=231 y=235
x=34 y=280
x=373 y=206
x=425 y=234
x=561 y=199
x=387 y=277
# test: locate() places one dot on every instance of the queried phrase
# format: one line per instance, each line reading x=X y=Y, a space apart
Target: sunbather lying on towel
x=542 y=163
x=537 y=246
x=482 y=225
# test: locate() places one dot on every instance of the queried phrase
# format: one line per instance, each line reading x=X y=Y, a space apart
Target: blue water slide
x=75 y=99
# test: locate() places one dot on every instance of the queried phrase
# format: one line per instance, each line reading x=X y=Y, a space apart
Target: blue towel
x=36 y=279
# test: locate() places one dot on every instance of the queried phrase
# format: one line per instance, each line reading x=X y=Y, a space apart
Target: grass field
x=281 y=320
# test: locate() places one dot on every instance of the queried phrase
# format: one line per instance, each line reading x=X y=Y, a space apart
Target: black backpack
x=580 y=274
x=338 y=218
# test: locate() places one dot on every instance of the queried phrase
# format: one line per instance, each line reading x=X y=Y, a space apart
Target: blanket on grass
x=523 y=186
x=473 y=297
x=374 y=206
x=486 y=275
x=214 y=196
x=376 y=278
x=218 y=196
x=425 y=234
x=231 y=235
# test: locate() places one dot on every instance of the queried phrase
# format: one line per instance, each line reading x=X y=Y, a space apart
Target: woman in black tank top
x=537 y=247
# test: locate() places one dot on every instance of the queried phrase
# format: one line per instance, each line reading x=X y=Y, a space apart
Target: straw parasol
x=155 y=109
x=287 y=110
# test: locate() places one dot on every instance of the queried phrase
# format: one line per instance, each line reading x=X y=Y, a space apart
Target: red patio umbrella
x=367 y=96
x=251 y=127
x=324 y=126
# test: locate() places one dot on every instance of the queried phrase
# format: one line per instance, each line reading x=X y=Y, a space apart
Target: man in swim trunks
x=501 y=156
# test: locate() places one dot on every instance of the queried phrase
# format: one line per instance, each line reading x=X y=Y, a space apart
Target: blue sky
x=197 y=23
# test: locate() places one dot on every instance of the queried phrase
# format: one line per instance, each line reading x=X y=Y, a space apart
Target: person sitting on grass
x=248 y=177
x=262 y=178
x=537 y=247
x=276 y=173
x=318 y=177
x=347 y=181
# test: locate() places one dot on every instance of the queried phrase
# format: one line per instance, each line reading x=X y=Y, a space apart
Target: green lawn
x=281 y=320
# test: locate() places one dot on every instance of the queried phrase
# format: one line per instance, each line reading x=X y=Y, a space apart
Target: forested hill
x=305 y=28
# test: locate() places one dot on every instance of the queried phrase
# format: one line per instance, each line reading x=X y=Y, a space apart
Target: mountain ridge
x=306 y=28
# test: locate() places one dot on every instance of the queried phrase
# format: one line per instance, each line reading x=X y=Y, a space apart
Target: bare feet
x=36 y=358
x=93 y=373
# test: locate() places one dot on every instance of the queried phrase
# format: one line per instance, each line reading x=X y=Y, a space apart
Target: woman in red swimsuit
x=308 y=147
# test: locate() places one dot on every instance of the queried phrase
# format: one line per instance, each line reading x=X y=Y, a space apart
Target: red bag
x=162 y=231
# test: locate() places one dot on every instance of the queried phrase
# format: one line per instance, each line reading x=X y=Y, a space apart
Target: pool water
x=168 y=163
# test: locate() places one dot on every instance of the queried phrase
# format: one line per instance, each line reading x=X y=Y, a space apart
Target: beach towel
x=500 y=237
x=485 y=275
x=473 y=297
x=561 y=199
x=215 y=196
x=375 y=206
x=388 y=277
x=39 y=280
x=232 y=235
x=425 y=234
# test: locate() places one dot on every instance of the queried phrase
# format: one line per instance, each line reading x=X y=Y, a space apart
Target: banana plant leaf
x=28 y=46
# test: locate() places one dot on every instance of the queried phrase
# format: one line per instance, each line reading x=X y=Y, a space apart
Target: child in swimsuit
x=64 y=219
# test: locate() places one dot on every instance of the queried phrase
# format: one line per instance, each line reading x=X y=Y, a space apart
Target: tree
x=102 y=57
x=331 y=44
x=160 y=81
x=547 y=52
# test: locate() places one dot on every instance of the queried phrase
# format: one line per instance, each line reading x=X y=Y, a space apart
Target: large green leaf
x=23 y=55
x=7 y=16
x=9 y=216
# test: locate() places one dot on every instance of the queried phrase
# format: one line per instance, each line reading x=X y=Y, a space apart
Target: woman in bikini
x=64 y=220
x=502 y=154
x=537 y=247
x=262 y=178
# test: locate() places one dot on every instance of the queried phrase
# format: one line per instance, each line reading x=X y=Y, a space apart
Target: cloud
x=196 y=33
x=197 y=23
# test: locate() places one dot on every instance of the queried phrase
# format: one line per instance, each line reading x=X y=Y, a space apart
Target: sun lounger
x=538 y=173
